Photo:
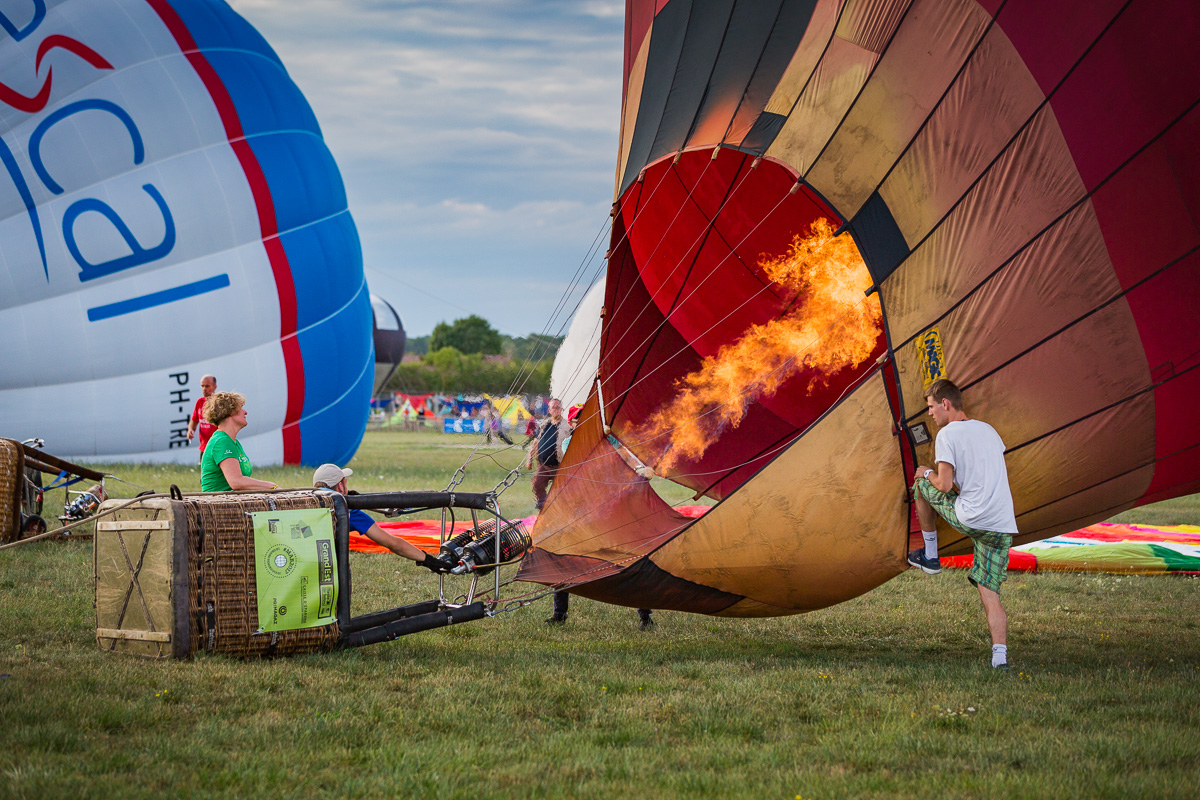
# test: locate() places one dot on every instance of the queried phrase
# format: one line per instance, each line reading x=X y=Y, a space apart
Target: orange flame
x=832 y=327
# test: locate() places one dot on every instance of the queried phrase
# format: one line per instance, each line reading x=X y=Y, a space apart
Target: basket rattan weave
x=12 y=470
x=223 y=602
x=176 y=576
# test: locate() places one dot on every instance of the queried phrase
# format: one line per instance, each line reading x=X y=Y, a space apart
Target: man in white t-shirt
x=969 y=490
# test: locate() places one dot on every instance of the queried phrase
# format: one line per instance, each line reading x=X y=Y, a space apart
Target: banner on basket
x=295 y=569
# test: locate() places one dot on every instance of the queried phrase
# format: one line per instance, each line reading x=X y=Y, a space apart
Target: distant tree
x=472 y=334
x=448 y=370
x=534 y=347
x=418 y=345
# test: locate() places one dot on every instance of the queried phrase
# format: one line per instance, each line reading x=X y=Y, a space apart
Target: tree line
x=453 y=359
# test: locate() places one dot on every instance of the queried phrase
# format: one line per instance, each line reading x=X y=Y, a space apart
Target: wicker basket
x=12 y=469
x=176 y=576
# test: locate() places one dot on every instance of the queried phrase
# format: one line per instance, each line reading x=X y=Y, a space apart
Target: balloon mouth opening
x=766 y=298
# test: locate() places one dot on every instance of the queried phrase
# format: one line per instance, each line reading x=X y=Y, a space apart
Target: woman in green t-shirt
x=224 y=466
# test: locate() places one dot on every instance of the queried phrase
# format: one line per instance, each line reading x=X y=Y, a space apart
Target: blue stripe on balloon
x=304 y=180
x=326 y=263
x=265 y=97
x=339 y=349
x=333 y=309
x=335 y=348
x=216 y=26
x=158 y=298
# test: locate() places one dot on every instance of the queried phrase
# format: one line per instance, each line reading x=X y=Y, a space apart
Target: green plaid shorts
x=991 y=548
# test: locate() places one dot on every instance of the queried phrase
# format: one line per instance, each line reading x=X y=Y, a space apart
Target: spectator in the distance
x=196 y=422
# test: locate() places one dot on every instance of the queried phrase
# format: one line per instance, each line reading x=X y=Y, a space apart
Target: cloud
x=477 y=138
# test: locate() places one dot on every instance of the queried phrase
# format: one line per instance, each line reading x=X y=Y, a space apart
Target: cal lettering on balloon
x=139 y=256
x=37 y=103
x=57 y=116
x=39 y=13
x=165 y=243
x=14 y=172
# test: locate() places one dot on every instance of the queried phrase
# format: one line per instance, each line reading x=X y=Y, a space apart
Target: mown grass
x=887 y=695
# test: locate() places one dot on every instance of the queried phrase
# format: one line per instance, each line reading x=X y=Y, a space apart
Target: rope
x=63 y=530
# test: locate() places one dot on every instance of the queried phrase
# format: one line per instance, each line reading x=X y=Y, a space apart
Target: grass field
x=887 y=695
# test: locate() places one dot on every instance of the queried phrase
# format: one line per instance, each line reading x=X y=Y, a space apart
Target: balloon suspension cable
x=811 y=345
x=664 y=322
x=795 y=187
x=519 y=602
x=127 y=483
x=624 y=237
x=613 y=212
x=728 y=199
x=526 y=372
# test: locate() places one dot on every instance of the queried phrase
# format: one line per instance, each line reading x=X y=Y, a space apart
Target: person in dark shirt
x=333 y=478
x=562 y=599
x=545 y=451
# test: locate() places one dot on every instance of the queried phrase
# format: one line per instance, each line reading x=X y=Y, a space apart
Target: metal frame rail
x=383 y=626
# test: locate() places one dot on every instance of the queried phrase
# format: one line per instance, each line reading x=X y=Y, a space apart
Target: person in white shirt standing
x=969 y=490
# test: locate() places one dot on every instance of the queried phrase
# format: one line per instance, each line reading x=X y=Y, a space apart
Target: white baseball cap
x=330 y=475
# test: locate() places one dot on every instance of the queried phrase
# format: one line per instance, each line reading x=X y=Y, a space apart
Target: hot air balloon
x=170 y=210
x=575 y=363
x=1022 y=185
x=389 y=337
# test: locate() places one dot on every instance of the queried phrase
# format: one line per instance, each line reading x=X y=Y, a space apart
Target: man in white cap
x=333 y=478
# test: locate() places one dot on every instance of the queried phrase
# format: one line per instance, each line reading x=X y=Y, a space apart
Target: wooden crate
x=140 y=566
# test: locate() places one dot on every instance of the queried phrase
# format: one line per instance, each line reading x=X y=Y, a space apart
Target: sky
x=477 y=140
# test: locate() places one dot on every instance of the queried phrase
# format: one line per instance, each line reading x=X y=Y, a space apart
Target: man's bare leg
x=925 y=512
x=927 y=557
x=997 y=621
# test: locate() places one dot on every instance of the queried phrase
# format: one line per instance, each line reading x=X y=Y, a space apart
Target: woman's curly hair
x=223 y=405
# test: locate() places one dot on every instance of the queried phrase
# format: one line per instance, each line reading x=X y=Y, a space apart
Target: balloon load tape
x=474 y=550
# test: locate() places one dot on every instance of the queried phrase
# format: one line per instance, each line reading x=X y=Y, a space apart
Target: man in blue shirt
x=333 y=478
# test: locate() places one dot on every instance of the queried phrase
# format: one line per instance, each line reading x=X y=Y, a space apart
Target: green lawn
x=887 y=695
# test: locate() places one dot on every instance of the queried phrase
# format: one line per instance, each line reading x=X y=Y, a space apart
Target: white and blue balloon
x=168 y=209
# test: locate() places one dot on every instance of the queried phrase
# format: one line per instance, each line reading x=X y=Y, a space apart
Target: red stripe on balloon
x=292 y=357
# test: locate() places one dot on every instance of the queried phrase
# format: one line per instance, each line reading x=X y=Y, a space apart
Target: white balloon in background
x=579 y=355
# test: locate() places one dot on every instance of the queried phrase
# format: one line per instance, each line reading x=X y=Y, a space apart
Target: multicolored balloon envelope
x=170 y=210
x=822 y=206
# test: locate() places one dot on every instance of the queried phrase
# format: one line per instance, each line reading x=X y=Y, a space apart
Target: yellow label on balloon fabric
x=931 y=357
